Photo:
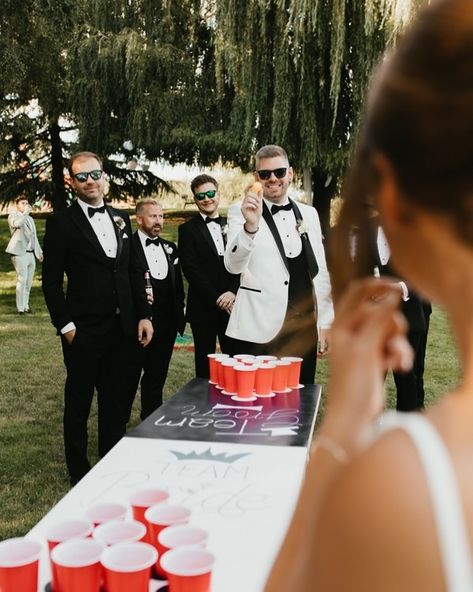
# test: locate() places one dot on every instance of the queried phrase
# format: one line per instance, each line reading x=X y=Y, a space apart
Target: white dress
x=445 y=497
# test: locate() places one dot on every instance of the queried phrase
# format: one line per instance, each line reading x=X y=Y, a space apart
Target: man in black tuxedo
x=212 y=288
x=156 y=259
x=89 y=242
x=409 y=385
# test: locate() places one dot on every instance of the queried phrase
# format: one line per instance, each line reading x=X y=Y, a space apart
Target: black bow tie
x=93 y=211
x=275 y=208
x=208 y=220
x=152 y=241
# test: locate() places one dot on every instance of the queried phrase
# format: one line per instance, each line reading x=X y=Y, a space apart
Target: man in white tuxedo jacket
x=284 y=304
x=23 y=248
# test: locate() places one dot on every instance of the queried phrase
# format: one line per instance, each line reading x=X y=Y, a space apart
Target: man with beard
x=284 y=304
x=212 y=288
x=155 y=264
x=89 y=242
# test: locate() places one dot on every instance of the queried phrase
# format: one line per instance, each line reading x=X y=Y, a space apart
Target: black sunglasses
x=203 y=194
x=82 y=177
x=265 y=174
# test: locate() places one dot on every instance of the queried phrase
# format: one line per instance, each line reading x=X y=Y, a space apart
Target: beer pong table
x=237 y=465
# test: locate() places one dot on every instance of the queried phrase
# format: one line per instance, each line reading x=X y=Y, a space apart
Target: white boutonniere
x=119 y=221
x=224 y=230
x=167 y=249
x=301 y=227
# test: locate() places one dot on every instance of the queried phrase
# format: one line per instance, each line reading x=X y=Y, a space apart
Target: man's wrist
x=250 y=230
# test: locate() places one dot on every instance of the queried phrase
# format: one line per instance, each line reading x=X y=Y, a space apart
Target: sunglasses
x=203 y=194
x=265 y=174
x=82 y=177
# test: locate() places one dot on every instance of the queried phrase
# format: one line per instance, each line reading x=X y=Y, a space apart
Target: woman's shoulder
x=379 y=509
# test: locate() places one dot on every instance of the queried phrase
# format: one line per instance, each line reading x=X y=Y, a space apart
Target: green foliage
x=187 y=81
x=300 y=69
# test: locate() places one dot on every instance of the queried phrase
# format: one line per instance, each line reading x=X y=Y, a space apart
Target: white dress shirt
x=155 y=257
x=285 y=221
x=102 y=225
x=215 y=230
x=384 y=253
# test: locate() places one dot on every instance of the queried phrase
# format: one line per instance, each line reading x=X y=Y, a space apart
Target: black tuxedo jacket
x=413 y=309
x=139 y=266
x=203 y=268
x=97 y=285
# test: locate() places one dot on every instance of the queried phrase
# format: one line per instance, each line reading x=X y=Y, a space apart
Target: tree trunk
x=324 y=188
x=59 y=195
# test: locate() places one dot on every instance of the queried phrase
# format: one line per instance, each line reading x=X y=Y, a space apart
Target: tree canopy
x=189 y=81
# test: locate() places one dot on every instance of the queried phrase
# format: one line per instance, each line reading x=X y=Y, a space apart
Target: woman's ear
x=390 y=202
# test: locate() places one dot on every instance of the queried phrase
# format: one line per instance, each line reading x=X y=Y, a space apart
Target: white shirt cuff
x=405 y=291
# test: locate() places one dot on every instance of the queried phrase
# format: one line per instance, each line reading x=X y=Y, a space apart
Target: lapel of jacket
x=223 y=224
x=85 y=227
x=205 y=232
x=268 y=217
x=139 y=249
x=312 y=265
x=170 y=260
x=118 y=232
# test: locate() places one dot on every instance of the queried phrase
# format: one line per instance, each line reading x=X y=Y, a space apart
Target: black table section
x=199 y=411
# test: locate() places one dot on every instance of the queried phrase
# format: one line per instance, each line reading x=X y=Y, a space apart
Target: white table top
x=244 y=499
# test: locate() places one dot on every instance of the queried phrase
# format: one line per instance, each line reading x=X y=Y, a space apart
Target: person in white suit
x=23 y=247
x=284 y=304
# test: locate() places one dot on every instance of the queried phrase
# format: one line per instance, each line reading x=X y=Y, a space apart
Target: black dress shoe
x=21 y=312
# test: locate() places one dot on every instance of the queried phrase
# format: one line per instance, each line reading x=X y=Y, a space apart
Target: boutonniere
x=119 y=221
x=224 y=230
x=301 y=227
x=167 y=249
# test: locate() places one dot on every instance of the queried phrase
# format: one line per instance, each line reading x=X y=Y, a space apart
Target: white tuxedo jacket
x=260 y=306
x=23 y=233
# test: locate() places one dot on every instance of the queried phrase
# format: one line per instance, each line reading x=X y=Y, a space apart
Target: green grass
x=32 y=471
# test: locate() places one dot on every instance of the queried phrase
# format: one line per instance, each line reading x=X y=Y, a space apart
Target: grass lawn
x=33 y=476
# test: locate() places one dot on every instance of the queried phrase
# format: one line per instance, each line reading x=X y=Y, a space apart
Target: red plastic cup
x=213 y=367
x=264 y=379
x=162 y=515
x=229 y=377
x=144 y=499
x=69 y=529
x=242 y=357
x=77 y=566
x=260 y=359
x=127 y=567
x=100 y=513
x=294 y=371
x=64 y=531
x=19 y=559
x=218 y=363
x=245 y=381
x=188 y=569
x=280 y=376
x=180 y=535
x=119 y=531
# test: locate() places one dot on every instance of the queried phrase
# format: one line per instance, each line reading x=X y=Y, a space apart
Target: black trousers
x=410 y=385
x=155 y=362
x=205 y=332
x=108 y=363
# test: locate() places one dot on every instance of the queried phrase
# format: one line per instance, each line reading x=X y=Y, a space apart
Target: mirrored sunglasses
x=82 y=177
x=211 y=193
x=265 y=174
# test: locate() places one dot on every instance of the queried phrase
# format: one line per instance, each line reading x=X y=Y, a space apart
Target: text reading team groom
x=276 y=245
x=89 y=242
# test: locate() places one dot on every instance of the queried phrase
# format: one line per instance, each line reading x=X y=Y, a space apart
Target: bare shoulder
x=377 y=523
